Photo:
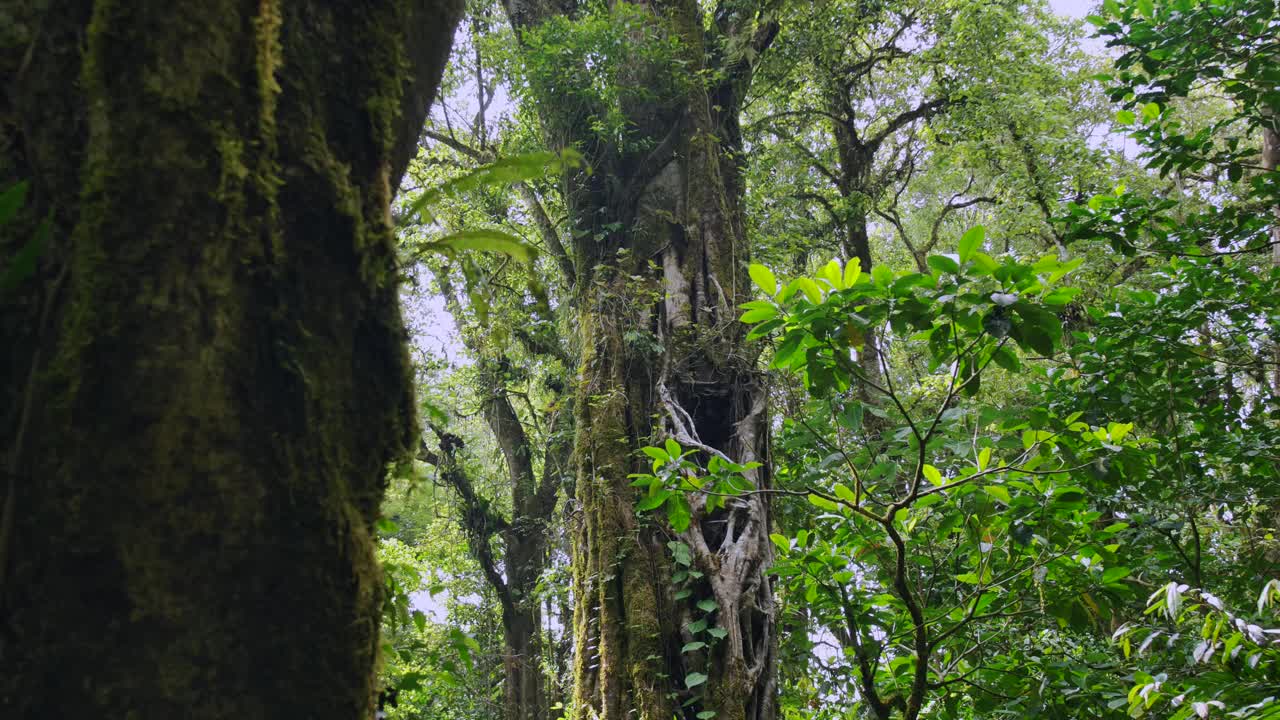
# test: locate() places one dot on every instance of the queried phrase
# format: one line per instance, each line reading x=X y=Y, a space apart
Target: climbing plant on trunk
x=650 y=92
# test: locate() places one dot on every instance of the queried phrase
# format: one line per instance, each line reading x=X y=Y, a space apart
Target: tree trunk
x=1270 y=162
x=526 y=537
x=209 y=361
x=660 y=266
x=855 y=158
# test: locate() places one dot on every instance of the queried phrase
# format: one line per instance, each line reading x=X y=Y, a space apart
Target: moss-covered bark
x=210 y=363
x=660 y=265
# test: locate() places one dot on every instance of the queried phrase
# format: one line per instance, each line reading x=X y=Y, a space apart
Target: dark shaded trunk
x=855 y=158
x=209 y=361
x=525 y=552
x=662 y=353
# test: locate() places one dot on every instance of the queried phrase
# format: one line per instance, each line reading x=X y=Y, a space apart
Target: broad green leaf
x=1060 y=296
x=764 y=278
x=852 y=271
x=931 y=474
x=810 y=290
x=942 y=264
x=823 y=503
x=506 y=171
x=983 y=262
x=24 y=262
x=694 y=679
x=690 y=647
x=971 y=241
x=678 y=512
x=652 y=502
x=998 y=493
x=1113 y=574
x=831 y=273
x=655 y=453
x=844 y=493
x=484 y=240
x=759 y=314
x=984 y=457
x=781 y=541
x=707 y=605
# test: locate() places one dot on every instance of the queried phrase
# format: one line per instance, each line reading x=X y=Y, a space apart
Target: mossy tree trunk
x=526 y=537
x=208 y=367
x=660 y=264
x=857 y=146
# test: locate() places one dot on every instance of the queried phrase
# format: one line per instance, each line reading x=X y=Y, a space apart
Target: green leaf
x=24 y=262
x=942 y=264
x=780 y=541
x=1125 y=117
x=654 y=501
x=718 y=633
x=823 y=503
x=673 y=448
x=759 y=314
x=706 y=715
x=984 y=263
x=852 y=271
x=998 y=493
x=678 y=512
x=484 y=240
x=764 y=278
x=694 y=679
x=970 y=241
x=1060 y=296
x=506 y=171
x=1113 y=574
x=851 y=415
x=1069 y=495
x=831 y=273
x=844 y=493
x=655 y=453
x=690 y=647
x=931 y=474
x=1006 y=358
x=765 y=328
x=984 y=457
x=810 y=290
x=11 y=201
x=707 y=605
x=970 y=578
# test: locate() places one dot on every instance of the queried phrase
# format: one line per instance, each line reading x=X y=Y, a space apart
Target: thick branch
x=923 y=111
x=479 y=522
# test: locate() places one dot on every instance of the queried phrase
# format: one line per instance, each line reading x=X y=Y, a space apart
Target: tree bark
x=660 y=262
x=1270 y=162
x=209 y=360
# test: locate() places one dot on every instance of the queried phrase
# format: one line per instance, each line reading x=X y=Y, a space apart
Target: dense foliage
x=1023 y=431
